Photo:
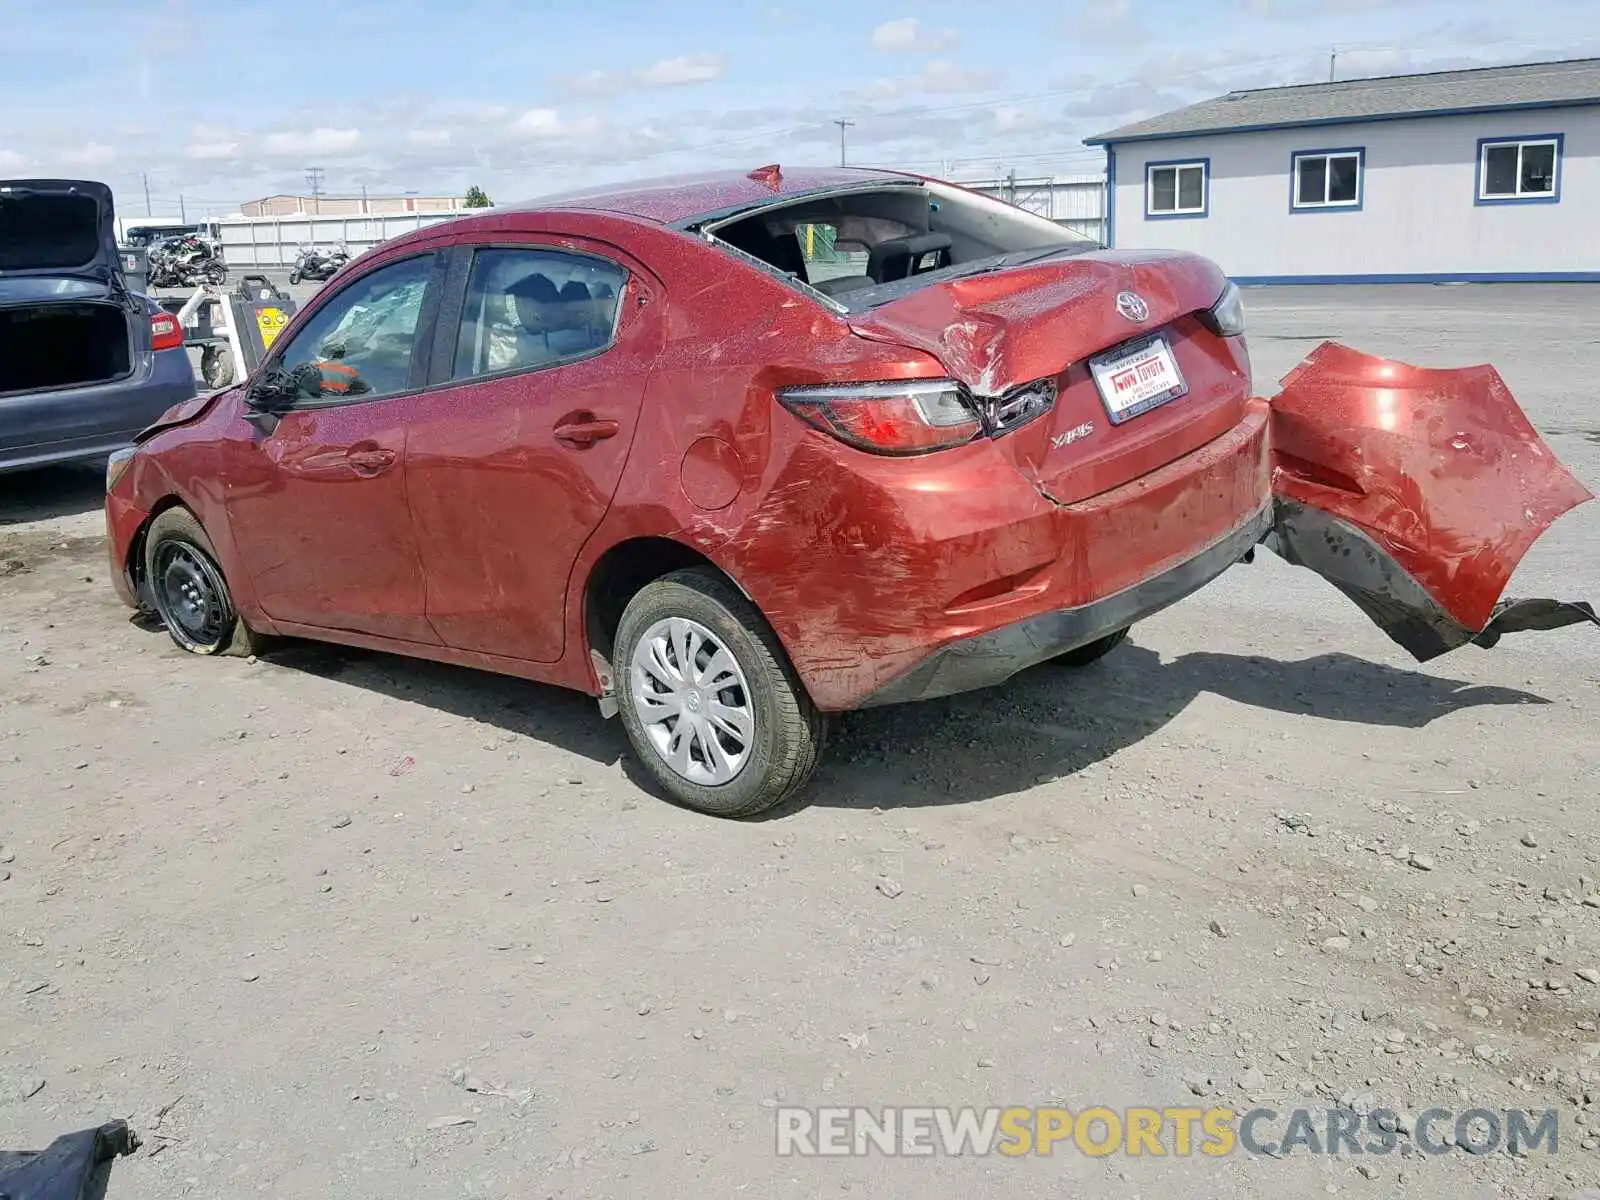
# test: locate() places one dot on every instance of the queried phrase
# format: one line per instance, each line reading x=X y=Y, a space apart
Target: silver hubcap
x=690 y=696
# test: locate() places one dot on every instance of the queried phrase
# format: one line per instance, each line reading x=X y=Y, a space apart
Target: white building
x=1473 y=176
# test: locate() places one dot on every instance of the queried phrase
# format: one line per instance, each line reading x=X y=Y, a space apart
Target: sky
x=224 y=102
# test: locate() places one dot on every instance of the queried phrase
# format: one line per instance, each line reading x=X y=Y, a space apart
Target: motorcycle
x=185 y=262
x=311 y=263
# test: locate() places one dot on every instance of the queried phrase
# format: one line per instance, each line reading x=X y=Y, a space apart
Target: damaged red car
x=734 y=454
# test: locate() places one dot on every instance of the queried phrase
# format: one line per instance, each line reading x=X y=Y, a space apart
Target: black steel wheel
x=1094 y=651
x=188 y=589
x=216 y=366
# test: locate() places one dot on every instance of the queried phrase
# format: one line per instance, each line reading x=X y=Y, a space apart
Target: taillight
x=909 y=417
x=165 y=332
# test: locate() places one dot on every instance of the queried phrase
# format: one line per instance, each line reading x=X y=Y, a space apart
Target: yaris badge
x=1132 y=306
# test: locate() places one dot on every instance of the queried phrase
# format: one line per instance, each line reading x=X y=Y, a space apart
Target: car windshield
x=864 y=246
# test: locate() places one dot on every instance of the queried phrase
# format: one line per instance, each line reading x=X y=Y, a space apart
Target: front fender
x=1416 y=492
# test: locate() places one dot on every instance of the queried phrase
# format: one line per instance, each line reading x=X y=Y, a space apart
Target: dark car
x=85 y=363
x=630 y=442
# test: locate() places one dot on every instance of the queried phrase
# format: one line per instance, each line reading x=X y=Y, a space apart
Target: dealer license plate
x=1136 y=377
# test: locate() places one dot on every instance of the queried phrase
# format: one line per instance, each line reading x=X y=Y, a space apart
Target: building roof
x=680 y=197
x=1439 y=93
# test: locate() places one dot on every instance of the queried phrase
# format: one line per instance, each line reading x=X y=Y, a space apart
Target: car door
x=315 y=492
x=540 y=365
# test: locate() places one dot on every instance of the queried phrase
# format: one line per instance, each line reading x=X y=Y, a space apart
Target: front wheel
x=294 y=277
x=188 y=589
x=710 y=703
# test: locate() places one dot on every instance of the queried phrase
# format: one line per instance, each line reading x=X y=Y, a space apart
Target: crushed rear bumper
x=990 y=658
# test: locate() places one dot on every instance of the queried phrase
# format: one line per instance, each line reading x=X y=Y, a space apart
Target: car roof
x=679 y=198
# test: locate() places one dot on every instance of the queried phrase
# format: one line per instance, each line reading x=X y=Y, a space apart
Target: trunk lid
x=58 y=229
x=999 y=331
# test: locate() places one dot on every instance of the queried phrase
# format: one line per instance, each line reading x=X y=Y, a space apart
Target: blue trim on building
x=1205 y=190
x=1482 y=201
x=1490 y=110
x=1469 y=277
x=1111 y=198
x=1361 y=180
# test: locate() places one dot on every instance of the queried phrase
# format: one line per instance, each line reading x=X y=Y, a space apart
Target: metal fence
x=272 y=241
x=1078 y=202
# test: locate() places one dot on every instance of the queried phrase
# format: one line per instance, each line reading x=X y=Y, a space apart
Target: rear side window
x=361 y=343
x=531 y=308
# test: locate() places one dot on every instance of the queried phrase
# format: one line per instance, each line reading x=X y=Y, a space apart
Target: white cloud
x=429 y=137
x=1102 y=21
x=685 y=69
x=314 y=141
x=548 y=123
x=938 y=75
x=10 y=160
x=1009 y=118
x=681 y=71
x=92 y=155
x=211 y=151
x=907 y=36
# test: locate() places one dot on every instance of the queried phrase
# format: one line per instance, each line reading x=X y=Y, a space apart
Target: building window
x=1177 y=189
x=1328 y=178
x=1519 y=169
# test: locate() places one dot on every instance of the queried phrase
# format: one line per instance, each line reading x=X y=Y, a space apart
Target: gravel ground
x=336 y=923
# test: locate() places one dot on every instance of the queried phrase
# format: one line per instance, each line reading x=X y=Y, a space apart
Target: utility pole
x=1333 y=60
x=314 y=182
x=363 y=199
x=843 y=125
x=145 y=179
x=183 y=213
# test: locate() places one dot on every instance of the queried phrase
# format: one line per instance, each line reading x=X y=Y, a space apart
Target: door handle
x=370 y=461
x=586 y=433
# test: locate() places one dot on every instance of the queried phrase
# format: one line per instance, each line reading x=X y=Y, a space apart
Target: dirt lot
x=338 y=924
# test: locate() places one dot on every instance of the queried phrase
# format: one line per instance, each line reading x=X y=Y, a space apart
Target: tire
x=188 y=590
x=786 y=732
x=294 y=277
x=216 y=367
x=1093 y=651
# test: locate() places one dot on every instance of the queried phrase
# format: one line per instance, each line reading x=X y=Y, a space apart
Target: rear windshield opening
x=869 y=245
x=48 y=231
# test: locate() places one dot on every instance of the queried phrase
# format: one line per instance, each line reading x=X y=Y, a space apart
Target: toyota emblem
x=1132 y=306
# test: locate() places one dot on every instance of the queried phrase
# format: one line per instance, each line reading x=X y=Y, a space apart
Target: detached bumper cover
x=990 y=658
x=76 y=1166
x=1416 y=493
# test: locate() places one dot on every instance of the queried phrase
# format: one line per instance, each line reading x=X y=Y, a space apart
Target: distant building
x=1454 y=176
x=349 y=206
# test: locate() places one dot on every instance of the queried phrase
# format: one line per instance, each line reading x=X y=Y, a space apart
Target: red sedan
x=737 y=453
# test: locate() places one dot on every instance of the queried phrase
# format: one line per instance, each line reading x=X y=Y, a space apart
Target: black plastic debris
x=76 y=1166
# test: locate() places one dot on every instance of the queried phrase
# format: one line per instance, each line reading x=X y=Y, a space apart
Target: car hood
x=58 y=228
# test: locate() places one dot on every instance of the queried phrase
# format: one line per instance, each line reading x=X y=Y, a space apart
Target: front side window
x=529 y=308
x=1519 y=169
x=361 y=342
x=1176 y=189
x=1328 y=178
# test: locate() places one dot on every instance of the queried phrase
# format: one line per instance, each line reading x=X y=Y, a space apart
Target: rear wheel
x=188 y=590
x=1093 y=651
x=712 y=707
